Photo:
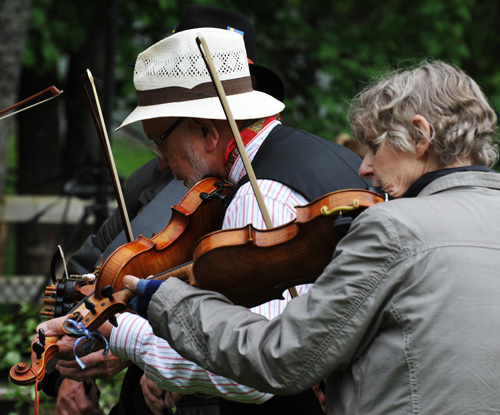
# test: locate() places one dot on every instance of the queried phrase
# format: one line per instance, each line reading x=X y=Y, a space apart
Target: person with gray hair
x=462 y=124
x=405 y=317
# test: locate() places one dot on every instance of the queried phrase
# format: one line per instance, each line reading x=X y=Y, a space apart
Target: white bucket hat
x=172 y=80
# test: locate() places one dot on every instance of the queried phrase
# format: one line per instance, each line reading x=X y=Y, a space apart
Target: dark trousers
x=132 y=402
x=305 y=403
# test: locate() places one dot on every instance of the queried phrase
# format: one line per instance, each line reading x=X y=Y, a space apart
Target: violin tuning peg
x=113 y=321
x=38 y=348
x=107 y=292
x=90 y=305
x=41 y=336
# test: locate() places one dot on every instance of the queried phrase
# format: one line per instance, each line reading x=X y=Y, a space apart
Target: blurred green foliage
x=324 y=51
x=17 y=327
x=130 y=154
x=16 y=332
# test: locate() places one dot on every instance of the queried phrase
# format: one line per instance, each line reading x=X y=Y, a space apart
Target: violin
x=267 y=263
x=174 y=244
x=193 y=217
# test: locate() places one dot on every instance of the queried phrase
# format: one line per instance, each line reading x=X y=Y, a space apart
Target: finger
x=97 y=366
x=71 y=369
x=52 y=327
x=78 y=375
x=155 y=390
x=130 y=282
x=92 y=373
x=321 y=396
x=156 y=405
x=171 y=399
x=67 y=348
x=66 y=364
x=150 y=387
x=92 y=359
x=75 y=398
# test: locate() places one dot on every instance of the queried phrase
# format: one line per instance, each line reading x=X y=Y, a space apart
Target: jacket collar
x=462 y=179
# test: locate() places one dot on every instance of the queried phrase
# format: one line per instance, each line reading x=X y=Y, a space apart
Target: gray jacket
x=404 y=320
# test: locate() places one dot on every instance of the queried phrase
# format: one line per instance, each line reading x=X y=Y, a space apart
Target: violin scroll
x=42 y=351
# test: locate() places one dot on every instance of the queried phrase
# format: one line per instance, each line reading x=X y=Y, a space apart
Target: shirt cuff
x=125 y=340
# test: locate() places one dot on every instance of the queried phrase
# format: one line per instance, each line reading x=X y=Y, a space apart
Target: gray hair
x=461 y=120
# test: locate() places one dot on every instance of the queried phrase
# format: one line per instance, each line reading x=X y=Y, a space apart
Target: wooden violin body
x=277 y=259
x=174 y=244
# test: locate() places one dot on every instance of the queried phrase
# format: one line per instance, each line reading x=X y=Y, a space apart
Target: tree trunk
x=14 y=21
x=74 y=155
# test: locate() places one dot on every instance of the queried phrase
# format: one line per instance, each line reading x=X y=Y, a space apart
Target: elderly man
x=149 y=190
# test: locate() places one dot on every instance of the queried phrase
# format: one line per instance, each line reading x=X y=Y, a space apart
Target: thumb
x=131 y=282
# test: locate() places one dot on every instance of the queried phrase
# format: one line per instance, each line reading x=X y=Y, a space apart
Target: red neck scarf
x=247 y=135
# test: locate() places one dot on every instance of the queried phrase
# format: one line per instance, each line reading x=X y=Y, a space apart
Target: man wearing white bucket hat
x=149 y=189
x=181 y=113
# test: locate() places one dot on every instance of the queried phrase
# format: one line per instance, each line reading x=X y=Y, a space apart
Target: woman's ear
x=423 y=127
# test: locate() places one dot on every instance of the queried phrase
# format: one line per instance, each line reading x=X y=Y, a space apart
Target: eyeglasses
x=158 y=141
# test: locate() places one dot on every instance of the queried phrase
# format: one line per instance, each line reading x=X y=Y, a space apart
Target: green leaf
x=11 y=358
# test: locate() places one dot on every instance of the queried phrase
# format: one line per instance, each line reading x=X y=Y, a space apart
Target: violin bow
x=207 y=57
x=110 y=161
x=52 y=90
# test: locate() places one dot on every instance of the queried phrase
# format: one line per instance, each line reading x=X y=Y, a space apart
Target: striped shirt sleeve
x=134 y=340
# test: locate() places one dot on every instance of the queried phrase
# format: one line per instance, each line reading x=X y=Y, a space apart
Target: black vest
x=307 y=163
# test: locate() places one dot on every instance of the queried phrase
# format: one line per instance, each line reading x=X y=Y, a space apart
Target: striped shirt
x=134 y=340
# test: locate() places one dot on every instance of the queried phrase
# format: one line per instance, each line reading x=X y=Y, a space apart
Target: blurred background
x=54 y=187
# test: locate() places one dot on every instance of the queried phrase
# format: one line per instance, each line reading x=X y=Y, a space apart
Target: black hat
x=206 y=16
